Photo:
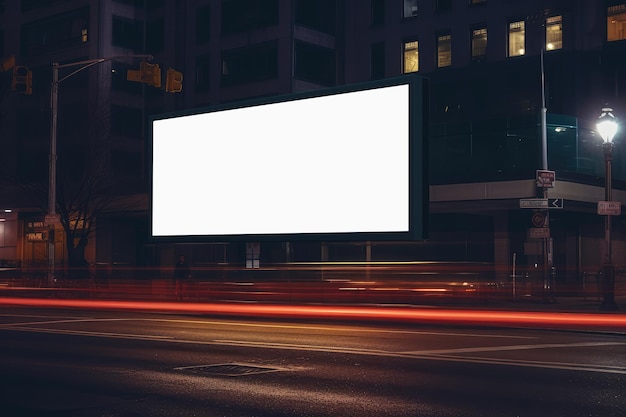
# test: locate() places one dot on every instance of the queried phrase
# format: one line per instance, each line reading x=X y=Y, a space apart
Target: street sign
x=555 y=203
x=539 y=219
x=609 y=208
x=52 y=219
x=545 y=179
x=539 y=232
x=533 y=203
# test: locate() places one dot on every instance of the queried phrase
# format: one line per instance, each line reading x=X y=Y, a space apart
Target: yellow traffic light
x=148 y=74
x=22 y=80
x=7 y=63
x=173 y=81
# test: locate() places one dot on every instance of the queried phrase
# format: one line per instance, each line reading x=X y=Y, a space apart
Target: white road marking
x=337 y=328
x=511 y=347
x=90 y=333
x=449 y=355
x=261 y=325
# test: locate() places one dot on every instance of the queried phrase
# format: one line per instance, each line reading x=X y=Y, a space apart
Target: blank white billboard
x=330 y=164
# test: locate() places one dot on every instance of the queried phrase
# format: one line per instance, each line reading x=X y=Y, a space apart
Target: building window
x=517 y=37
x=55 y=33
x=319 y=15
x=315 y=64
x=411 y=57
x=616 y=23
x=479 y=44
x=410 y=8
x=155 y=35
x=203 y=73
x=127 y=33
x=444 y=51
x=554 y=33
x=377 y=8
x=244 y=15
x=253 y=63
x=203 y=28
x=377 y=61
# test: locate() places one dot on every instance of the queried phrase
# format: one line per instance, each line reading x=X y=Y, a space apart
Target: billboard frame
x=418 y=165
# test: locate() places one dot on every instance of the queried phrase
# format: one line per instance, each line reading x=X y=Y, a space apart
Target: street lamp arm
x=91 y=62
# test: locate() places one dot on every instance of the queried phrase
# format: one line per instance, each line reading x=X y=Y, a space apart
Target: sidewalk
x=565 y=304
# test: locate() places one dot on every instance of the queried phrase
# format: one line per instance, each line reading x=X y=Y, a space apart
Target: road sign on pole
x=539 y=232
x=555 y=203
x=539 y=219
x=52 y=219
x=545 y=178
x=533 y=203
x=609 y=208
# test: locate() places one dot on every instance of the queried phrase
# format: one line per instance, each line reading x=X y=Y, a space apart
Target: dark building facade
x=492 y=66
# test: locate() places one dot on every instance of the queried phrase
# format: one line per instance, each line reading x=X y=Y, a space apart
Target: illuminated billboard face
x=325 y=165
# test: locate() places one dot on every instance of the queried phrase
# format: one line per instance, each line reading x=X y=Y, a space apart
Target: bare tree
x=80 y=200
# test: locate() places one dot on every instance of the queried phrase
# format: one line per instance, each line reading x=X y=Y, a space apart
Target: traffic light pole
x=52 y=219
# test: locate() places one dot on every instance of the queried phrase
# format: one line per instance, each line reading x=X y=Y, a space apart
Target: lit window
x=411 y=57
x=83 y=35
x=479 y=44
x=410 y=8
x=554 y=33
x=517 y=38
x=616 y=23
x=444 y=51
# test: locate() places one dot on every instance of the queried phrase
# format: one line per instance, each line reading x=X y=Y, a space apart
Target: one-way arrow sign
x=555 y=203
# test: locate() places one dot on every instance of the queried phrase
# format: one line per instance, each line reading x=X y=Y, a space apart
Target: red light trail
x=552 y=320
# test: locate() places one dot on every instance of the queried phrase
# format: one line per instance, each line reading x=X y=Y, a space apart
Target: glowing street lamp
x=607 y=128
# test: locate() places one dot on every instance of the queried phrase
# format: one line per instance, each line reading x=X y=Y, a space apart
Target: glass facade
x=509 y=149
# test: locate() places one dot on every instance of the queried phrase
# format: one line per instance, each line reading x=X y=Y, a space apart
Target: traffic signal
x=148 y=74
x=7 y=63
x=173 y=81
x=22 y=80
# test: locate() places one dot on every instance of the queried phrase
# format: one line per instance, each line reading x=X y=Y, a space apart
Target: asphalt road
x=75 y=362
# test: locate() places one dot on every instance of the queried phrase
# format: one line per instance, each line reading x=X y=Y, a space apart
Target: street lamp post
x=607 y=128
x=52 y=219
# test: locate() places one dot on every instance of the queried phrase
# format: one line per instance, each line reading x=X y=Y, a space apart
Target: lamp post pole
x=52 y=171
x=607 y=128
x=52 y=219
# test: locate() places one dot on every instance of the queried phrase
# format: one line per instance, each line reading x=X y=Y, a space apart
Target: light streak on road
x=608 y=321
